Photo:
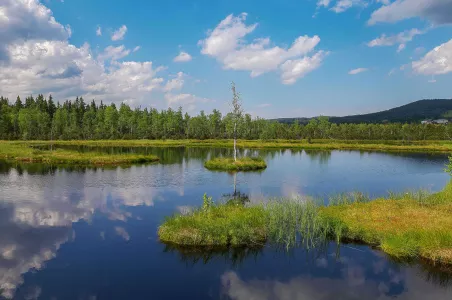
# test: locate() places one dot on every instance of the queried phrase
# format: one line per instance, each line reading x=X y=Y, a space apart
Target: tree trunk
x=235 y=141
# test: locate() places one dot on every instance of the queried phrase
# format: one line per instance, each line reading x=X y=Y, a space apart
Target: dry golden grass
x=402 y=228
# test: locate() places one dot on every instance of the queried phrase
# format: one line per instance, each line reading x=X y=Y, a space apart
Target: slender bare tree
x=236 y=105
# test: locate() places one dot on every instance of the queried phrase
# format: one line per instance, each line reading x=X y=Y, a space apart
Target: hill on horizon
x=412 y=112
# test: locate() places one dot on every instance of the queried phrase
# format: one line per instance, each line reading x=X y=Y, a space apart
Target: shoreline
x=360 y=145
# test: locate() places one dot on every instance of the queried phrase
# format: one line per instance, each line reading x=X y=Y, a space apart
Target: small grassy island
x=241 y=164
x=407 y=225
x=25 y=153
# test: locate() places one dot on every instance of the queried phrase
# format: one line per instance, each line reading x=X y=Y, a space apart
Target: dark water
x=72 y=233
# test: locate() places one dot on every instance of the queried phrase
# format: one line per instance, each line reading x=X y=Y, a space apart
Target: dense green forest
x=412 y=112
x=43 y=119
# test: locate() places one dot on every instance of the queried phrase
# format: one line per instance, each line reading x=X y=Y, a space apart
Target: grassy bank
x=391 y=145
x=242 y=164
x=408 y=225
x=25 y=153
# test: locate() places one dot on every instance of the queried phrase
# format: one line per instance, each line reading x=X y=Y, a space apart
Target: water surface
x=78 y=233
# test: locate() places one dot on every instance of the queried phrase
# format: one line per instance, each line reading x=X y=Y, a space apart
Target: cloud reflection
x=354 y=283
x=37 y=213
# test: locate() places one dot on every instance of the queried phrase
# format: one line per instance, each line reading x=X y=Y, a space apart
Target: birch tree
x=236 y=106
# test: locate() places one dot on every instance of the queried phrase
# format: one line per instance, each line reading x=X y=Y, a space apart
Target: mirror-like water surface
x=73 y=233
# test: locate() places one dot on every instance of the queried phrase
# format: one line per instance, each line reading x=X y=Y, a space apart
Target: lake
x=90 y=233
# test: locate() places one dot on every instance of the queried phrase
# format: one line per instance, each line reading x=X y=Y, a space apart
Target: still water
x=73 y=233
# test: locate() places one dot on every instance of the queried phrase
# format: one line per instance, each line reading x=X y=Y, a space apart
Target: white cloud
x=401 y=47
x=113 y=53
x=226 y=43
x=437 y=61
x=37 y=57
x=392 y=72
x=357 y=71
x=119 y=34
x=437 y=11
x=175 y=83
x=324 y=3
x=292 y=70
x=188 y=101
x=182 y=57
x=401 y=39
x=99 y=31
x=343 y=5
x=27 y=19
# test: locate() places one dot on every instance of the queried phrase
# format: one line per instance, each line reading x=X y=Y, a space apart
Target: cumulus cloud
x=357 y=71
x=226 y=43
x=188 y=101
x=292 y=70
x=37 y=57
x=175 y=83
x=437 y=11
x=113 y=53
x=401 y=39
x=437 y=61
x=99 y=31
x=119 y=34
x=182 y=57
x=27 y=19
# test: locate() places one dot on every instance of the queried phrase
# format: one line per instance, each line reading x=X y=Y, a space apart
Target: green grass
x=405 y=225
x=242 y=164
x=327 y=144
x=216 y=225
x=24 y=153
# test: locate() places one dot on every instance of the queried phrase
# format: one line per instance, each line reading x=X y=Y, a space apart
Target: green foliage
x=42 y=119
x=242 y=164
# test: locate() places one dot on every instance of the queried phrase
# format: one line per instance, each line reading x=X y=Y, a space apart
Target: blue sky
x=288 y=58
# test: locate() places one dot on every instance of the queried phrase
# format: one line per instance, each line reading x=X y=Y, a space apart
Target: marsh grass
x=326 y=144
x=213 y=224
x=414 y=224
x=242 y=164
x=27 y=154
x=410 y=225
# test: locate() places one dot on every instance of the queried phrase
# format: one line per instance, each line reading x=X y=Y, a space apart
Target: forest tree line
x=42 y=119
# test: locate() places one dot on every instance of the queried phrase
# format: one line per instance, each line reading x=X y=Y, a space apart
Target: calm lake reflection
x=77 y=233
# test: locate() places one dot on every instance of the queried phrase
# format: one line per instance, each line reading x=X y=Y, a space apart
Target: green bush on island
x=406 y=225
x=242 y=164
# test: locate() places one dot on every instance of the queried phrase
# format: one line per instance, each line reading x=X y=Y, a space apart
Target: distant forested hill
x=412 y=112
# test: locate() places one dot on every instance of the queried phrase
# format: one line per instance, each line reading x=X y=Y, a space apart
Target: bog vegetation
x=405 y=225
x=41 y=118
